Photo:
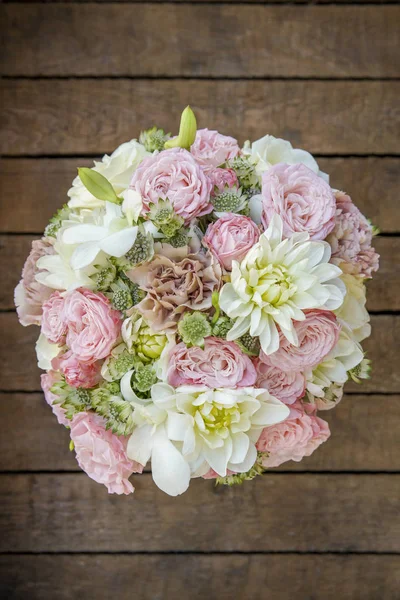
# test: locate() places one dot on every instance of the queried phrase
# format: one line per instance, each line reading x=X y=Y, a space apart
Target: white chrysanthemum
x=117 y=168
x=275 y=282
x=190 y=429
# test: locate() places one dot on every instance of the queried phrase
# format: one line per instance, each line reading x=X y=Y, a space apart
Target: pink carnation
x=351 y=239
x=47 y=380
x=222 y=179
x=304 y=201
x=102 y=454
x=230 y=238
x=53 y=323
x=317 y=335
x=219 y=364
x=92 y=325
x=77 y=374
x=287 y=386
x=212 y=149
x=298 y=436
x=29 y=294
x=174 y=175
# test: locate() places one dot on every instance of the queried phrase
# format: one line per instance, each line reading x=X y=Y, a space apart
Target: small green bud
x=56 y=221
x=143 y=378
x=98 y=185
x=142 y=250
x=221 y=327
x=230 y=200
x=244 y=167
x=249 y=345
x=239 y=478
x=71 y=446
x=193 y=328
x=187 y=131
x=154 y=139
x=104 y=277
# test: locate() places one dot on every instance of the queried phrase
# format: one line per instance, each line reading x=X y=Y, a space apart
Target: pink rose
x=53 y=323
x=219 y=364
x=92 y=325
x=29 y=294
x=77 y=374
x=102 y=454
x=317 y=335
x=47 y=381
x=351 y=239
x=230 y=238
x=287 y=386
x=222 y=179
x=298 y=436
x=304 y=201
x=212 y=149
x=174 y=175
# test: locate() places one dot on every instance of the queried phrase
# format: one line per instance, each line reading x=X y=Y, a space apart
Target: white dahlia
x=275 y=282
x=191 y=429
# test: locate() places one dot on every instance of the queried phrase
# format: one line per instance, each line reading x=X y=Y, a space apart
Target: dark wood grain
x=18 y=370
x=278 y=512
x=216 y=577
x=235 y=41
x=36 y=442
x=93 y=116
x=39 y=187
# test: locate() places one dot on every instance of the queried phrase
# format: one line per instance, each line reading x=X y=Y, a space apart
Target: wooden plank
x=235 y=41
x=39 y=187
x=280 y=512
x=81 y=116
x=382 y=290
x=364 y=437
x=216 y=577
x=18 y=370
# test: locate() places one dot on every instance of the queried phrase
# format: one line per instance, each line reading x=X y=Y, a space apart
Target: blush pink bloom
x=212 y=149
x=53 y=323
x=102 y=454
x=230 y=238
x=304 y=201
x=77 y=374
x=351 y=239
x=47 y=380
x=287 y=386
x=293 y=439
x=93 y=327
x=30 y=295
x=219 y=364
x=222 y=179
x=174 y=175
x=317 y=335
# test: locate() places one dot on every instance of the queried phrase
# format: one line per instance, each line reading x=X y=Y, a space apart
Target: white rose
x=269 y=151
x=353 y=312
x=117 y=168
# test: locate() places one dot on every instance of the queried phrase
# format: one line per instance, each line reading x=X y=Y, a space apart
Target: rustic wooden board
x=18 y=370
x=81 y=116
x=382 y=290
x=36 y=442
x=216 y=577
x=39 y=187
x=280 y=512
x=235 y=41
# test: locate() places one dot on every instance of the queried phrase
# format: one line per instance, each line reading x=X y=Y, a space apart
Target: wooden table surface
x=79 y=79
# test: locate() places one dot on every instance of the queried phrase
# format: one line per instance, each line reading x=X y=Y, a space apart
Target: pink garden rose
x=351 y=239
x=29 y=294
x=54 y=326
x=298 y=436
x=102 y=454
x=317 y=335
x=219 y=364
x=230 y=238
x=47 y=380
x=212 y=149
x=174 y=175
x=77 y=374
x=287 y=386
x=222 y=179
x=304 y=201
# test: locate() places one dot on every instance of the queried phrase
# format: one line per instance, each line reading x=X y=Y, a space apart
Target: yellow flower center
x=216 y=418
x=272 y=285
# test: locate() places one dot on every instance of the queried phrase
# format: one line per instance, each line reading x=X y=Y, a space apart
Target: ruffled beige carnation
x=175 y=282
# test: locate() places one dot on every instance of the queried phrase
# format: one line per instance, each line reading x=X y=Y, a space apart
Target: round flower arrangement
x=199 y=304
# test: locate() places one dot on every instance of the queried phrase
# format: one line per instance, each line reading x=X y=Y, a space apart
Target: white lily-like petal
x=170 y=471
x=84 y=255
x=78 y=234
x=140 y=444
x=240 y=447
x=247 y=463
x=45 y=352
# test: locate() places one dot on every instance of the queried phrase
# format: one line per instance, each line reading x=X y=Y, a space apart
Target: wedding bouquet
x=199 y=304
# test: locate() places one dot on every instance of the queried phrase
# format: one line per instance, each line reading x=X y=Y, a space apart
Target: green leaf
x=187 y=131
x=98 y=185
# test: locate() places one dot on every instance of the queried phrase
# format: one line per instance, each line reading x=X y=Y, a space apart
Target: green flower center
x=216 y=418
x=274 y=286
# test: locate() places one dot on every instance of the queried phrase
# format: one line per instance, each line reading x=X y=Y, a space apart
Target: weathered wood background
x=78 y=79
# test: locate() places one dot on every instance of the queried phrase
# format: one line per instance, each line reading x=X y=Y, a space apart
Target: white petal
x=140 y=444
x=240 y=327
x=255 y=206
x=248 y=461
x=271 y=412
x=177 y=426
x=227 y=296
x=78 y=234
x=117 y=244
x=218 y=458
x=240 y=448
x=84 y=255
x=269 y=338
x=171 y=473
x=274 y=231
x=45 y=352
